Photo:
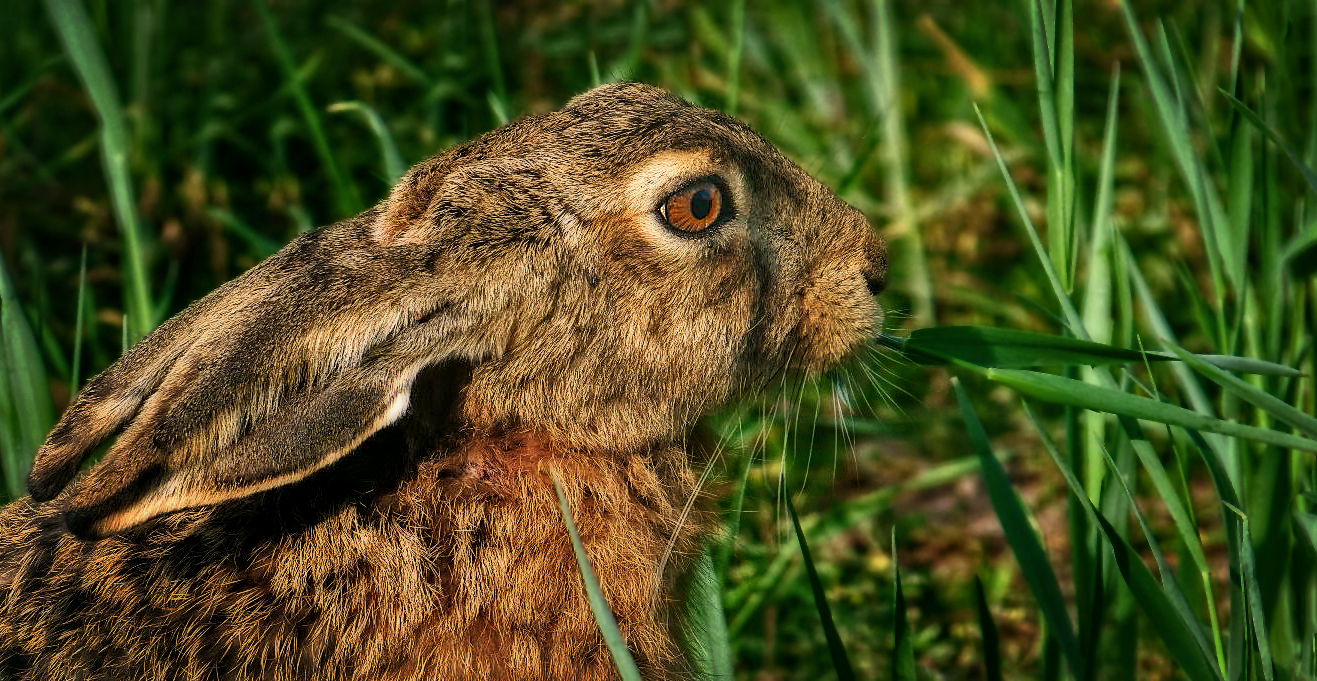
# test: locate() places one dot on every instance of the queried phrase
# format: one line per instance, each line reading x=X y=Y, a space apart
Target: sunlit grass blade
x=710 y=647
x=1061 y=390
x=841 y=662
x=988 y=630
x=626 y=665
x=75 y=366
x=1003 y=348
x=1068 y=312
x=498 y=108
x=83 y=47
x=595 y=78
x=1174 y=622
x=26 y=410
x=1168 y=103
x=1020 y=536
x=988 y=346
x=346 y=200
x=1098 y=285
x=1244 y=391
x=1253 y=597
x=392 y=160
x=1275 y=138
x=903 y=653
x=1053 y=58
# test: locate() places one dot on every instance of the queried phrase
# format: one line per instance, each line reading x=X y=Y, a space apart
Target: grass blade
x=262 y=245
x=903 y=656
x=381 y=50
x=1072 y=319
x=734 y=56
x=1001 y=348
x=1241 y=389
x=1173 y=630
x=1174 y=624
x=709 y=645
x=1249 y=365
x=26 y=410
x=1019 y=533
x=1061 y=390
x=626 y=665
x=1168 y=104
x=840 y=660
x=393 y=164
x=988 y=630
x=346 y=200
x=987 y=346
x=75 y=367
x=1275 y=138
x=80 y=42
x=1253 y=597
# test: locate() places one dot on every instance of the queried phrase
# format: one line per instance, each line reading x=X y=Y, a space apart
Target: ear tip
x=50 y=474
x=41 y=493
x=44 y=486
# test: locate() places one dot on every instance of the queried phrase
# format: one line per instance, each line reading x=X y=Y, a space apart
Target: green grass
x=1065 y=185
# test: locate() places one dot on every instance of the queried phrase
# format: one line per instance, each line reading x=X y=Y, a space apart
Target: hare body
x=338 y=465
x=352 y=574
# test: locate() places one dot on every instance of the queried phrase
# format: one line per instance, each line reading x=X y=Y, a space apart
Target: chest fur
x=463 y=570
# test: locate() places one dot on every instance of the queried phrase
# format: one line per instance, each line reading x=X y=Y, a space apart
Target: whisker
x=686 y=510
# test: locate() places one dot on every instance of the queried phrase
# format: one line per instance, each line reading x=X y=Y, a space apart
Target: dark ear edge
x=84 y=425
x=112 y=399
x=302 y=436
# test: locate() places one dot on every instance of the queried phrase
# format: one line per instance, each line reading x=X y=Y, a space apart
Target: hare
x=340 y=464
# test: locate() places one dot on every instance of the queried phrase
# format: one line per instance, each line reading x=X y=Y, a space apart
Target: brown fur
x=338 y=465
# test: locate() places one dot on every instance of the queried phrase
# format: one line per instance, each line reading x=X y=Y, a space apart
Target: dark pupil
x=701 y=203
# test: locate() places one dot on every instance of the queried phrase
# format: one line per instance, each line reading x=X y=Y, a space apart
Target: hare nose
x=875 y=266
x=875 y=280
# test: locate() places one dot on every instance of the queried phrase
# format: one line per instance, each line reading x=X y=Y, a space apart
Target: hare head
x=602 y=276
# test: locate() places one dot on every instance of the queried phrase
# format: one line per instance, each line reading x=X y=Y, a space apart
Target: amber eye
x=695 y=208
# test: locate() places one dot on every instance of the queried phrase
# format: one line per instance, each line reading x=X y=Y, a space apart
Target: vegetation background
x=152 y=150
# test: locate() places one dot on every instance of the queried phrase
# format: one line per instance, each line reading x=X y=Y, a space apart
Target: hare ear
x=270 y=378
x=139 y=480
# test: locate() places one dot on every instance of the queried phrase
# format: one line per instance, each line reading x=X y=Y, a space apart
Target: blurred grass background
x=151 y=150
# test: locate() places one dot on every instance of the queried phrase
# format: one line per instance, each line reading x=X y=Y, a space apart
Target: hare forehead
x=666 y=172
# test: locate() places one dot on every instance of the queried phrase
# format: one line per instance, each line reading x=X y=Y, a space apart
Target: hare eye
x=695 y=208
